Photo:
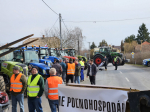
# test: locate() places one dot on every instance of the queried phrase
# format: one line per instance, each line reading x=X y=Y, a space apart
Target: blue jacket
x=63 y=66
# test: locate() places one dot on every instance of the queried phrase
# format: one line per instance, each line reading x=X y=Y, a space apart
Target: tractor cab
x=29 y=56
x=70 y=52
x=46 y=53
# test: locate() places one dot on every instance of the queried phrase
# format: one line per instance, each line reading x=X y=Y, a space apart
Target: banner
x=81 y=99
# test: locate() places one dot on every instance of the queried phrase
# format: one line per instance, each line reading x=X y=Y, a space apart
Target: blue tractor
x=46 y=53
x=41 y=53
x=30 y=58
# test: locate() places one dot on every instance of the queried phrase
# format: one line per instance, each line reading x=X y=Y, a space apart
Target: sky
x=19 y=18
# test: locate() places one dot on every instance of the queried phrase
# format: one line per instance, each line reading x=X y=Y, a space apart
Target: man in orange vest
x=18 y=86
x=70 y=71
x=51 y=89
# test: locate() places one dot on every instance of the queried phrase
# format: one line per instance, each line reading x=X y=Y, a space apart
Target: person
x=115 y=61
x=18 y=86
x=105 y=62
x=35 y=90
x=91 y=72
x=82 y=69
x=58 y=67
x=77 y=71
x=63 y=65
x=66 y=61
x=70 y=68
x=51 y=89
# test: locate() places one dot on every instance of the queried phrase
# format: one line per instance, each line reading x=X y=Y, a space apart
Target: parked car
x=146 y=62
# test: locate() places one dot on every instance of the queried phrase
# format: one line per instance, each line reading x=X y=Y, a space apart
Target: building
x=145 y=43
x=116 y=48
x=144 y=47
x=52 y=42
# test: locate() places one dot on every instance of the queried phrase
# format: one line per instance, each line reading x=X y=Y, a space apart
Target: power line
x=107 y=20
x=65 y=25
x=49 y=7
x=54 y=24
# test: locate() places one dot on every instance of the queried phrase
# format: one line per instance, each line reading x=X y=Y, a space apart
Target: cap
x=80 y=59
x=16 y=68
x=35 y=68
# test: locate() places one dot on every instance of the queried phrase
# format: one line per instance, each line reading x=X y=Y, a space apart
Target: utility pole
x=89 y=50
x=60 y=31
x=78 y=45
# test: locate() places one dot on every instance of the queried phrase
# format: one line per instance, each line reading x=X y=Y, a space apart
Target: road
x=126 y=76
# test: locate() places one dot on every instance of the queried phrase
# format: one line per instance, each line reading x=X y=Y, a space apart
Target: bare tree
x=70 y=38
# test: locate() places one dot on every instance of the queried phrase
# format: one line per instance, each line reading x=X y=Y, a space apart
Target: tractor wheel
x=2 y=84
x=123 y=62
x=98 y=59
x=148 y=64
x=85 y=66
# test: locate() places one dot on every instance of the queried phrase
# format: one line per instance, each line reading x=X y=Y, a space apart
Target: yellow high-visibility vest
x=33 y=89
x=115 y=59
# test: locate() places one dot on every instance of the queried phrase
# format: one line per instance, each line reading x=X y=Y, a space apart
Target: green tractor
x=107 y=51
x=6 y=69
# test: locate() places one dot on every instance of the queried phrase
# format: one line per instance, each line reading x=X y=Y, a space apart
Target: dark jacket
x=105 y=63
x=58 y=68
x=94 y=70
x=63 y=65
x=41 y=85
x=78 y=70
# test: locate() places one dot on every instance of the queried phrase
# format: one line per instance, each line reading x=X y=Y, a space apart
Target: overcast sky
x=19 y=18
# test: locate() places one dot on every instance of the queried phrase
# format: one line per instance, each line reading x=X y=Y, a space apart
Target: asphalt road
x=126 y=76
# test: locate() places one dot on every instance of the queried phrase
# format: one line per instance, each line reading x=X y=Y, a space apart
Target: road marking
x=120 y=72
x=127 y=79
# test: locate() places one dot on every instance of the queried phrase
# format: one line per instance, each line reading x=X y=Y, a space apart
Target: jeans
x=116 y=65
x=53 y=105
x=92 y=80
x=20 y=99
x=34 y=105
x=64 y=76
x=71 y=77
x=82 y=74
x=77 y=79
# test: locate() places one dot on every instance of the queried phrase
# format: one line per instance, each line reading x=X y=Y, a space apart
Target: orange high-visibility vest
x=16 y=85
x=53 y=82
x=71 y=69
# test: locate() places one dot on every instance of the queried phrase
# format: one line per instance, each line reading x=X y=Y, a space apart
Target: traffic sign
x=132 y=53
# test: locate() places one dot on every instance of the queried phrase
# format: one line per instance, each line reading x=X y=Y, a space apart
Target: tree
x=70 y=37
x=143 y=34
x=93 y=46
x=122 y=46
x=130 y=39
x=103 y=43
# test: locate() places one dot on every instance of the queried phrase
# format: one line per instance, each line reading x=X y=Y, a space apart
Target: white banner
x=81 y=99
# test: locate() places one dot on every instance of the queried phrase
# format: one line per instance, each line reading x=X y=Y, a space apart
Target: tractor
x=72 y=52
x=30 y=57
x=107 y=51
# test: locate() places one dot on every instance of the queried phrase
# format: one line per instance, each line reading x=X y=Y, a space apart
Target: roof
x=145 y=43
x=42 y=41
x=117 y=47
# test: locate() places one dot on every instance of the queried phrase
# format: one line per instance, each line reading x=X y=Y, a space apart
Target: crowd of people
x=60 y=72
